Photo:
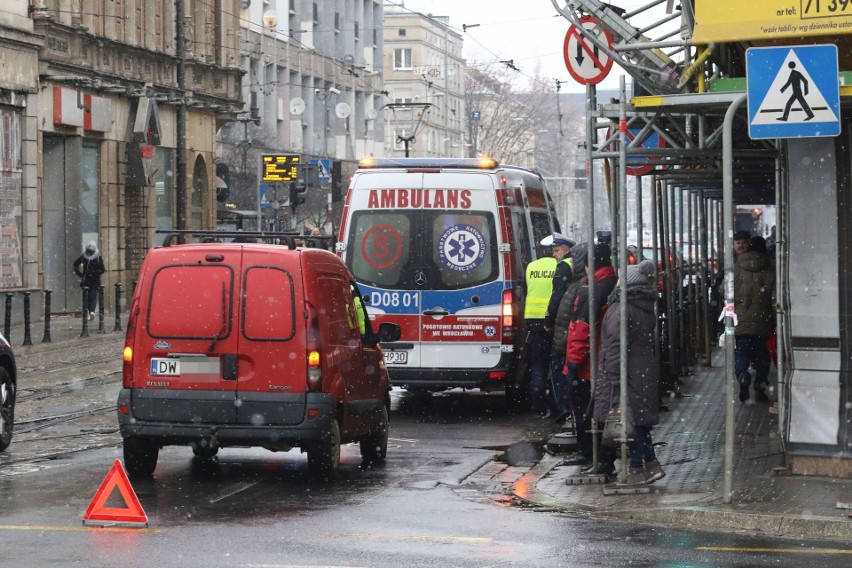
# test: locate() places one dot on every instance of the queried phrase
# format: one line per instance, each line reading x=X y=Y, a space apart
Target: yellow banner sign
x=735 y=20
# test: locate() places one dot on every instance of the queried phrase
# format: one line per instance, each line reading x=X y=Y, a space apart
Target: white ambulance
x=439 y=247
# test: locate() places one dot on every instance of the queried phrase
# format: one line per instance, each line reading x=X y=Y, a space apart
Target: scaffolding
x=705 y=163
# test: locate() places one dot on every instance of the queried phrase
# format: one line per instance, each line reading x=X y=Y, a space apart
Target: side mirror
x=389 y=332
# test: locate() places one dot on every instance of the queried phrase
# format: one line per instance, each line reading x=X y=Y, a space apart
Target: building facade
x=19 y=47
x=312 y=88
x=424 y=77
x=115 y=109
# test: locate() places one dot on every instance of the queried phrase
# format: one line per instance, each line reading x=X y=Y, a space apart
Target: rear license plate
x=396 y=357
x=165 y=367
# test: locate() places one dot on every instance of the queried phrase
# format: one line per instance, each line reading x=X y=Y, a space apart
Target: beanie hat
x=603 y=255
x=640 y=274
x=758 y=244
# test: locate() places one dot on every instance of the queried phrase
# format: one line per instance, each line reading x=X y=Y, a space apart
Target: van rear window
x=268 y=304
x=413 y=248
x=191 y=302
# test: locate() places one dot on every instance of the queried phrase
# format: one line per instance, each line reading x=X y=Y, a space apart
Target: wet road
x=430 y=505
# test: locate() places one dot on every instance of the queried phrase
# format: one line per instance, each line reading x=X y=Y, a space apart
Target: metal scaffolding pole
x=728 y=231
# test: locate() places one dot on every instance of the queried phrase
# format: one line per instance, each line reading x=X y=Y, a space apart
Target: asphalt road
x=442 y=499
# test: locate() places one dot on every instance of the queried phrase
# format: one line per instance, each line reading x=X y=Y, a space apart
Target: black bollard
x=46 y=338
x=7 y=331
x=85 y=312
x=28 y=340
x=101 y=317
x=117 y=307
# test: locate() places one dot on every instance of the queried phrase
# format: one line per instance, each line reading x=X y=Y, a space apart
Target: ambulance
x=439 y=247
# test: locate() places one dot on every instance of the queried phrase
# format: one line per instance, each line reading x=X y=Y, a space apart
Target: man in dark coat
x=564 y=311
x=643 y=369
x=577 y=360
x=88 y=267
x=754 y=306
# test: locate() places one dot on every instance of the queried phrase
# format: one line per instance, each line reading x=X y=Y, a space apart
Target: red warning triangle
x=132 y=513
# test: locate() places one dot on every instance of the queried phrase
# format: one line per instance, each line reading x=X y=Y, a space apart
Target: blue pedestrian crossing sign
x=793 y=91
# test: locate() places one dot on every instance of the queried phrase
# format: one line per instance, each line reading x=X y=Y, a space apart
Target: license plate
x=396 y=357
x=165 y=367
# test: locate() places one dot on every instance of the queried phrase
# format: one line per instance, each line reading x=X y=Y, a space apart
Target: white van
x=439 y=247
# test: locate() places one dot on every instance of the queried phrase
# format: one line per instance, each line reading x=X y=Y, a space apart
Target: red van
x=251 y=345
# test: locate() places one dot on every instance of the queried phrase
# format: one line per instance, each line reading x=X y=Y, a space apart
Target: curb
x=711 y=518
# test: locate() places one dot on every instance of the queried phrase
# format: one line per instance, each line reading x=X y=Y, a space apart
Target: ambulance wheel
x=140 y=456
x=7 y=408
x=205 y=452
x=374 y=448
x=324 y=456
x=517 y=400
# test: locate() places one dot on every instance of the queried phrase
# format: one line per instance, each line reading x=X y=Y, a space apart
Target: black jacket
x=89 y=269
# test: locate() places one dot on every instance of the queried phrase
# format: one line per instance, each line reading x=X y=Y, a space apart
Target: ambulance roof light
x=442 y=163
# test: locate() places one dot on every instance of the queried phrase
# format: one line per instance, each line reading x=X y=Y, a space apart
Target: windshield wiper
x=224 y=323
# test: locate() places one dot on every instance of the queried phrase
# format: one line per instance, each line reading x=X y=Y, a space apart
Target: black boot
x=744 y=380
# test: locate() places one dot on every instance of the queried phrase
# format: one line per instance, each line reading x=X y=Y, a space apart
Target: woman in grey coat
x=643 y=369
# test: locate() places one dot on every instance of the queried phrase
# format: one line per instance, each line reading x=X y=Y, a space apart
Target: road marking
x=780 y=550
x=231 y=491
x=293 y=566
x=397 y=537
x=76 y=529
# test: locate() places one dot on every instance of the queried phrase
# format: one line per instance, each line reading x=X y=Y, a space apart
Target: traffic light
x=297 y=192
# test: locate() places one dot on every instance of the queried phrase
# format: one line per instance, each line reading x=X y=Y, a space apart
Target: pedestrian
x=562 y=251
x=89 y=267
x=577 y=361
x=564 y=312
x=643 y=369
x=539 y=279
x=754 y=301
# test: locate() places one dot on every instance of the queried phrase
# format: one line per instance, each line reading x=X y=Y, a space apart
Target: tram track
x=41 y=392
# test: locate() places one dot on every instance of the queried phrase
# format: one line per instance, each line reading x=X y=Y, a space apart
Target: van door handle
x=436 y=312
x=229 y=367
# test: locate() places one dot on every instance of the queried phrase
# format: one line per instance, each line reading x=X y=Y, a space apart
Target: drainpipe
x=180 y=122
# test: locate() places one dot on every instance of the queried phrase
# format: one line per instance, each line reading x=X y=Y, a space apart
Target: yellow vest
x=539 y=287
x=360 y=314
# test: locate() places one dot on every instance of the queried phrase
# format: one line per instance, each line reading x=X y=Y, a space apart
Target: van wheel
x=374 y=448
x=324 y=456
x=140 y=456
x=7 y=409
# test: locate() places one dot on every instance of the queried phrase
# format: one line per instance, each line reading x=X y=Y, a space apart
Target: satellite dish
x=371 y=114
x=297 y=106
x=348 y=60
x=342 y=110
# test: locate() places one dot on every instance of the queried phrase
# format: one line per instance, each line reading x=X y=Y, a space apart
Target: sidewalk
x=765 y=499
x=65 y=331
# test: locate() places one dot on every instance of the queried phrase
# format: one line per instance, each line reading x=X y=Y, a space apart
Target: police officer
x=539 y=278
x=562 y=277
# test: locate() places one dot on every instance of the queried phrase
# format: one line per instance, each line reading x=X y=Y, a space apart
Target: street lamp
x=270 y=22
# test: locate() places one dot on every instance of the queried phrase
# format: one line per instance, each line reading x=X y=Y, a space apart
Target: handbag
x=611 y=435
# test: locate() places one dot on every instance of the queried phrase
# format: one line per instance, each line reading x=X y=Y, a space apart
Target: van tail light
x=508 y=317
x=127 y=355
x=314 y=348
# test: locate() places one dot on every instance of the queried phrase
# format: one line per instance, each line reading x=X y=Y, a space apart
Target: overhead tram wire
x=465 y=27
